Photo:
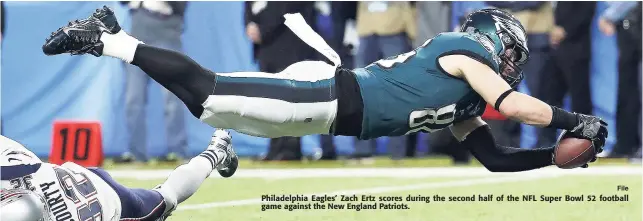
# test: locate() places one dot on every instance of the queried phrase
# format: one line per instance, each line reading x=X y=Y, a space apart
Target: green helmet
x=508 y=36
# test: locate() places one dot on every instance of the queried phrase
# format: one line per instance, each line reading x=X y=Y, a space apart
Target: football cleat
x=106 y=16
x=76 y=38
x=222 y=141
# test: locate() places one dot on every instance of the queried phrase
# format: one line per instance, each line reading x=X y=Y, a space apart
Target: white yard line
x=384 y=172
x=385 y=189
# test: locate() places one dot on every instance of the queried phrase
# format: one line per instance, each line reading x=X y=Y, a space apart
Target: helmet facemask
x=512 y=57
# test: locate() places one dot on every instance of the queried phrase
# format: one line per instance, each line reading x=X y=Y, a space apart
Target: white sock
x=120 y=45
x=186 y=179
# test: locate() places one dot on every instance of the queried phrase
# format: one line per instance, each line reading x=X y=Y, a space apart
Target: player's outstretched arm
x=519 y=106
x=490 y=86
x=476 y=135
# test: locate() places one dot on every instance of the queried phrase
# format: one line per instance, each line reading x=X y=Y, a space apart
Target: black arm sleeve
x=505 y=159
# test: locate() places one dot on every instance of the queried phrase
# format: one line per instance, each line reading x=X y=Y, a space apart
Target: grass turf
x=247 y=163
x=239 y=198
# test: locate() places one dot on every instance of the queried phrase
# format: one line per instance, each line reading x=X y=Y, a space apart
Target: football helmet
x=508 y=37
x=23 y=205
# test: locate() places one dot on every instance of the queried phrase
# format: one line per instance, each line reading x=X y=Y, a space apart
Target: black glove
x=591 y=128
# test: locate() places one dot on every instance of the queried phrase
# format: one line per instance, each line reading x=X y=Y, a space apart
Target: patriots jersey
x=411 y=92
x=71 y=192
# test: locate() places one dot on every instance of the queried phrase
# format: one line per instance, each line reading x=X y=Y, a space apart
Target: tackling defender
x=446 y=82
x=36 y=191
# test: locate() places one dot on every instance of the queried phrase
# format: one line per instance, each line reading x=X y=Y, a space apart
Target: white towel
x=298 y=25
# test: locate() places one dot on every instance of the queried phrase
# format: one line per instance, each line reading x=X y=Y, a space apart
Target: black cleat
x=76 y=38
x=229 y=166
x=107 y=17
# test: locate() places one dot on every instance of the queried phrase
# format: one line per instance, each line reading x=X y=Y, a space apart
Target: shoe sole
x=234 y=163
x=108 y=13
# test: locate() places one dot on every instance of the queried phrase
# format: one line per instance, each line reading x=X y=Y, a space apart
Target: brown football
x=571 y=152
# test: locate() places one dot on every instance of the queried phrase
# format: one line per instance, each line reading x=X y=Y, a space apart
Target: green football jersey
x=412 y=93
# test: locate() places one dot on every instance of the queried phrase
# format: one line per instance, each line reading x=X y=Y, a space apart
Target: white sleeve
x=14 y=153
x=462 y=129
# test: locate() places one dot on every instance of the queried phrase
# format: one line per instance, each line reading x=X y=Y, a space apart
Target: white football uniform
x=298 y=101
x=71 y=192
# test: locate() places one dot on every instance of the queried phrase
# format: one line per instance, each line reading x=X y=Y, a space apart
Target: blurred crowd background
x=585 y=56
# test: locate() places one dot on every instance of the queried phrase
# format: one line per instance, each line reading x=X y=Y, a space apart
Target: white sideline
x=385 y=189
x=384 y=172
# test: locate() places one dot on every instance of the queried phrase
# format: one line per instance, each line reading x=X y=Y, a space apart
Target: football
x=571 y=152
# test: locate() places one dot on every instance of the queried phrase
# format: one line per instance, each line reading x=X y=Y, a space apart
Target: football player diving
x=36 y=191
x=446 y=82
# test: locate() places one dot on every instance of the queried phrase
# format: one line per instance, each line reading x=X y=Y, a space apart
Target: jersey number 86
x=431 y=119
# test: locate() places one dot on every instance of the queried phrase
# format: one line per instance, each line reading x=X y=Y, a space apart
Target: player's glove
x=591 y=128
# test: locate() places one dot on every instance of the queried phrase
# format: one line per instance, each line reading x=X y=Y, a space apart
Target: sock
x=119 y=45
x=186 y=179
x=215 y=157
x=178 y=73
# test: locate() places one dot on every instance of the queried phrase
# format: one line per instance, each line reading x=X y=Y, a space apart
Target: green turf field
x=239 y=198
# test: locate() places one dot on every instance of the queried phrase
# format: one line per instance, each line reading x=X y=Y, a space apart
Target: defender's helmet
x=508 y=36
x=23 y=205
